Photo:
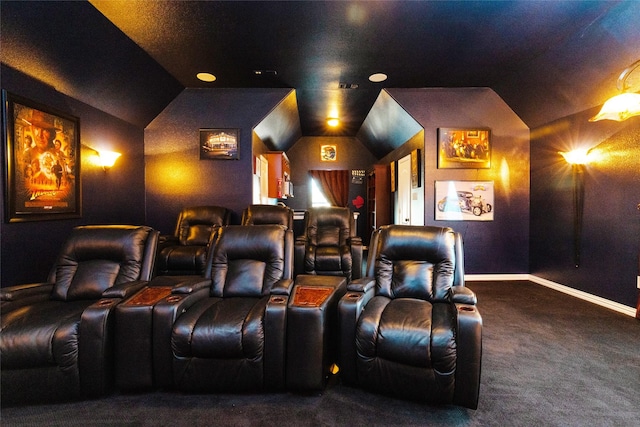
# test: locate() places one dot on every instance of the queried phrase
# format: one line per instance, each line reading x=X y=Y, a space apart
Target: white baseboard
x=612 y=305
x=495 y=277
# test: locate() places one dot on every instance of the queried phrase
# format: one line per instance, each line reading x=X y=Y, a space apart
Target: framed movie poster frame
x=461 y=148
x=219 y=144
x=42 y=161
x=464 y=200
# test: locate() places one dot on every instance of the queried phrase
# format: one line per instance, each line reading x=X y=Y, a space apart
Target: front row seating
x=409 y=328
x=56 y=337
x=233 y=338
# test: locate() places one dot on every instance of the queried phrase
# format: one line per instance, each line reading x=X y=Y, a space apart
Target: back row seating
x=328 y=244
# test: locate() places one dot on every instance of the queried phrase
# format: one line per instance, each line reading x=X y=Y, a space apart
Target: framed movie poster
x=42 y=161
x=219 y=144
x=464 y=148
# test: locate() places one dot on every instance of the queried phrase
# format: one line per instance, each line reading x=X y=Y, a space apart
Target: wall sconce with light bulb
x=577 y=159
x=626 y=104
x=106 y=158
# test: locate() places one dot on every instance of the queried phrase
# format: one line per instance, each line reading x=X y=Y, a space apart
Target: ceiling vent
x=343 y=85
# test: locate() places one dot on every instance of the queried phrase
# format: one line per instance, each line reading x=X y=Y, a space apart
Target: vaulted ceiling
x=546 y=59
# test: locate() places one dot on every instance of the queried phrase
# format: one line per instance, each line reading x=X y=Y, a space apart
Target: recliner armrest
x=14 y=293
x=181 y=285
x=350 y=306
x=124 y=290
x=299 y=249
x=469 y=356
x=355 y=243
x=361 y=285
x=282 y=287
x=463 y=295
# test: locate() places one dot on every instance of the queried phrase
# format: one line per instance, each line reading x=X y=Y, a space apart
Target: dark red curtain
x=334 y=185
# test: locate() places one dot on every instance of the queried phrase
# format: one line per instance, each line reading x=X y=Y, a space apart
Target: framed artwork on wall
x=415 y=169
x=464 y=201
x=42 y=161
x=464 y=148
x=392 y=176
x=328 y=153
x=219 y=144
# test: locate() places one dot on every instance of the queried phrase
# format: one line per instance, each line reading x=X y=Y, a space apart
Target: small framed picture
x=464 y=201
x=392 y=176
x=464 y=148
x=415 y=169
x=42 y=155
x=219 y=144
x=328 y=153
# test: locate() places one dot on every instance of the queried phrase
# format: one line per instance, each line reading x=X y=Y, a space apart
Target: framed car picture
x=464 y=148
x=42 y=161
x=464 y=201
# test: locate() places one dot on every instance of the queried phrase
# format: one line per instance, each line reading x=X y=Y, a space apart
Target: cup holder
x=174 y=298
x=465 y=308
x=104 y=302
x=278 y=300
x=353 y=296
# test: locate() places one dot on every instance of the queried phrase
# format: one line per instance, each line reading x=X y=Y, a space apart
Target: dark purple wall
x=611 y=226
x=500 y=246
x=117 y=196
x=175 y=175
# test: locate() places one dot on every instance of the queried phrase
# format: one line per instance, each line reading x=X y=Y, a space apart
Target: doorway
x=409 y=208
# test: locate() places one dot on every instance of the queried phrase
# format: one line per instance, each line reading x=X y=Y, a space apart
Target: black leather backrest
x=95 y=258
x=268 y=214
x=328 y=226
x=415 y=262
x=247 y=260
x=196 y=223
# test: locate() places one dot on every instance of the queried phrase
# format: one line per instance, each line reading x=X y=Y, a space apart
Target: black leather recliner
x=268 y=214
x=233 y=337
x=185 y=252
x=56 y=337
x=328 y=245
x=410 y=328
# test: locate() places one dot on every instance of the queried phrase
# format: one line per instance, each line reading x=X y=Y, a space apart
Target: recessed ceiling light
x=378 y=77
x=333 y=121
x=206 y=77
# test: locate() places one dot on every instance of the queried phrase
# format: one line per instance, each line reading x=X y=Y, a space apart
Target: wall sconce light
x=577 y=159
x=625 y=104
x=107 y=159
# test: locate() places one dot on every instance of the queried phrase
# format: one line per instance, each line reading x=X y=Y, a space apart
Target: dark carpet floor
x=549 y=359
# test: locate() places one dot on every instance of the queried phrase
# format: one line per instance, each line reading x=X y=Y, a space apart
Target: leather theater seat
x=410 y=328
x=185 y=251
x=233 y=337
x=56 y=337
x=328 y=245
x=268 y=214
